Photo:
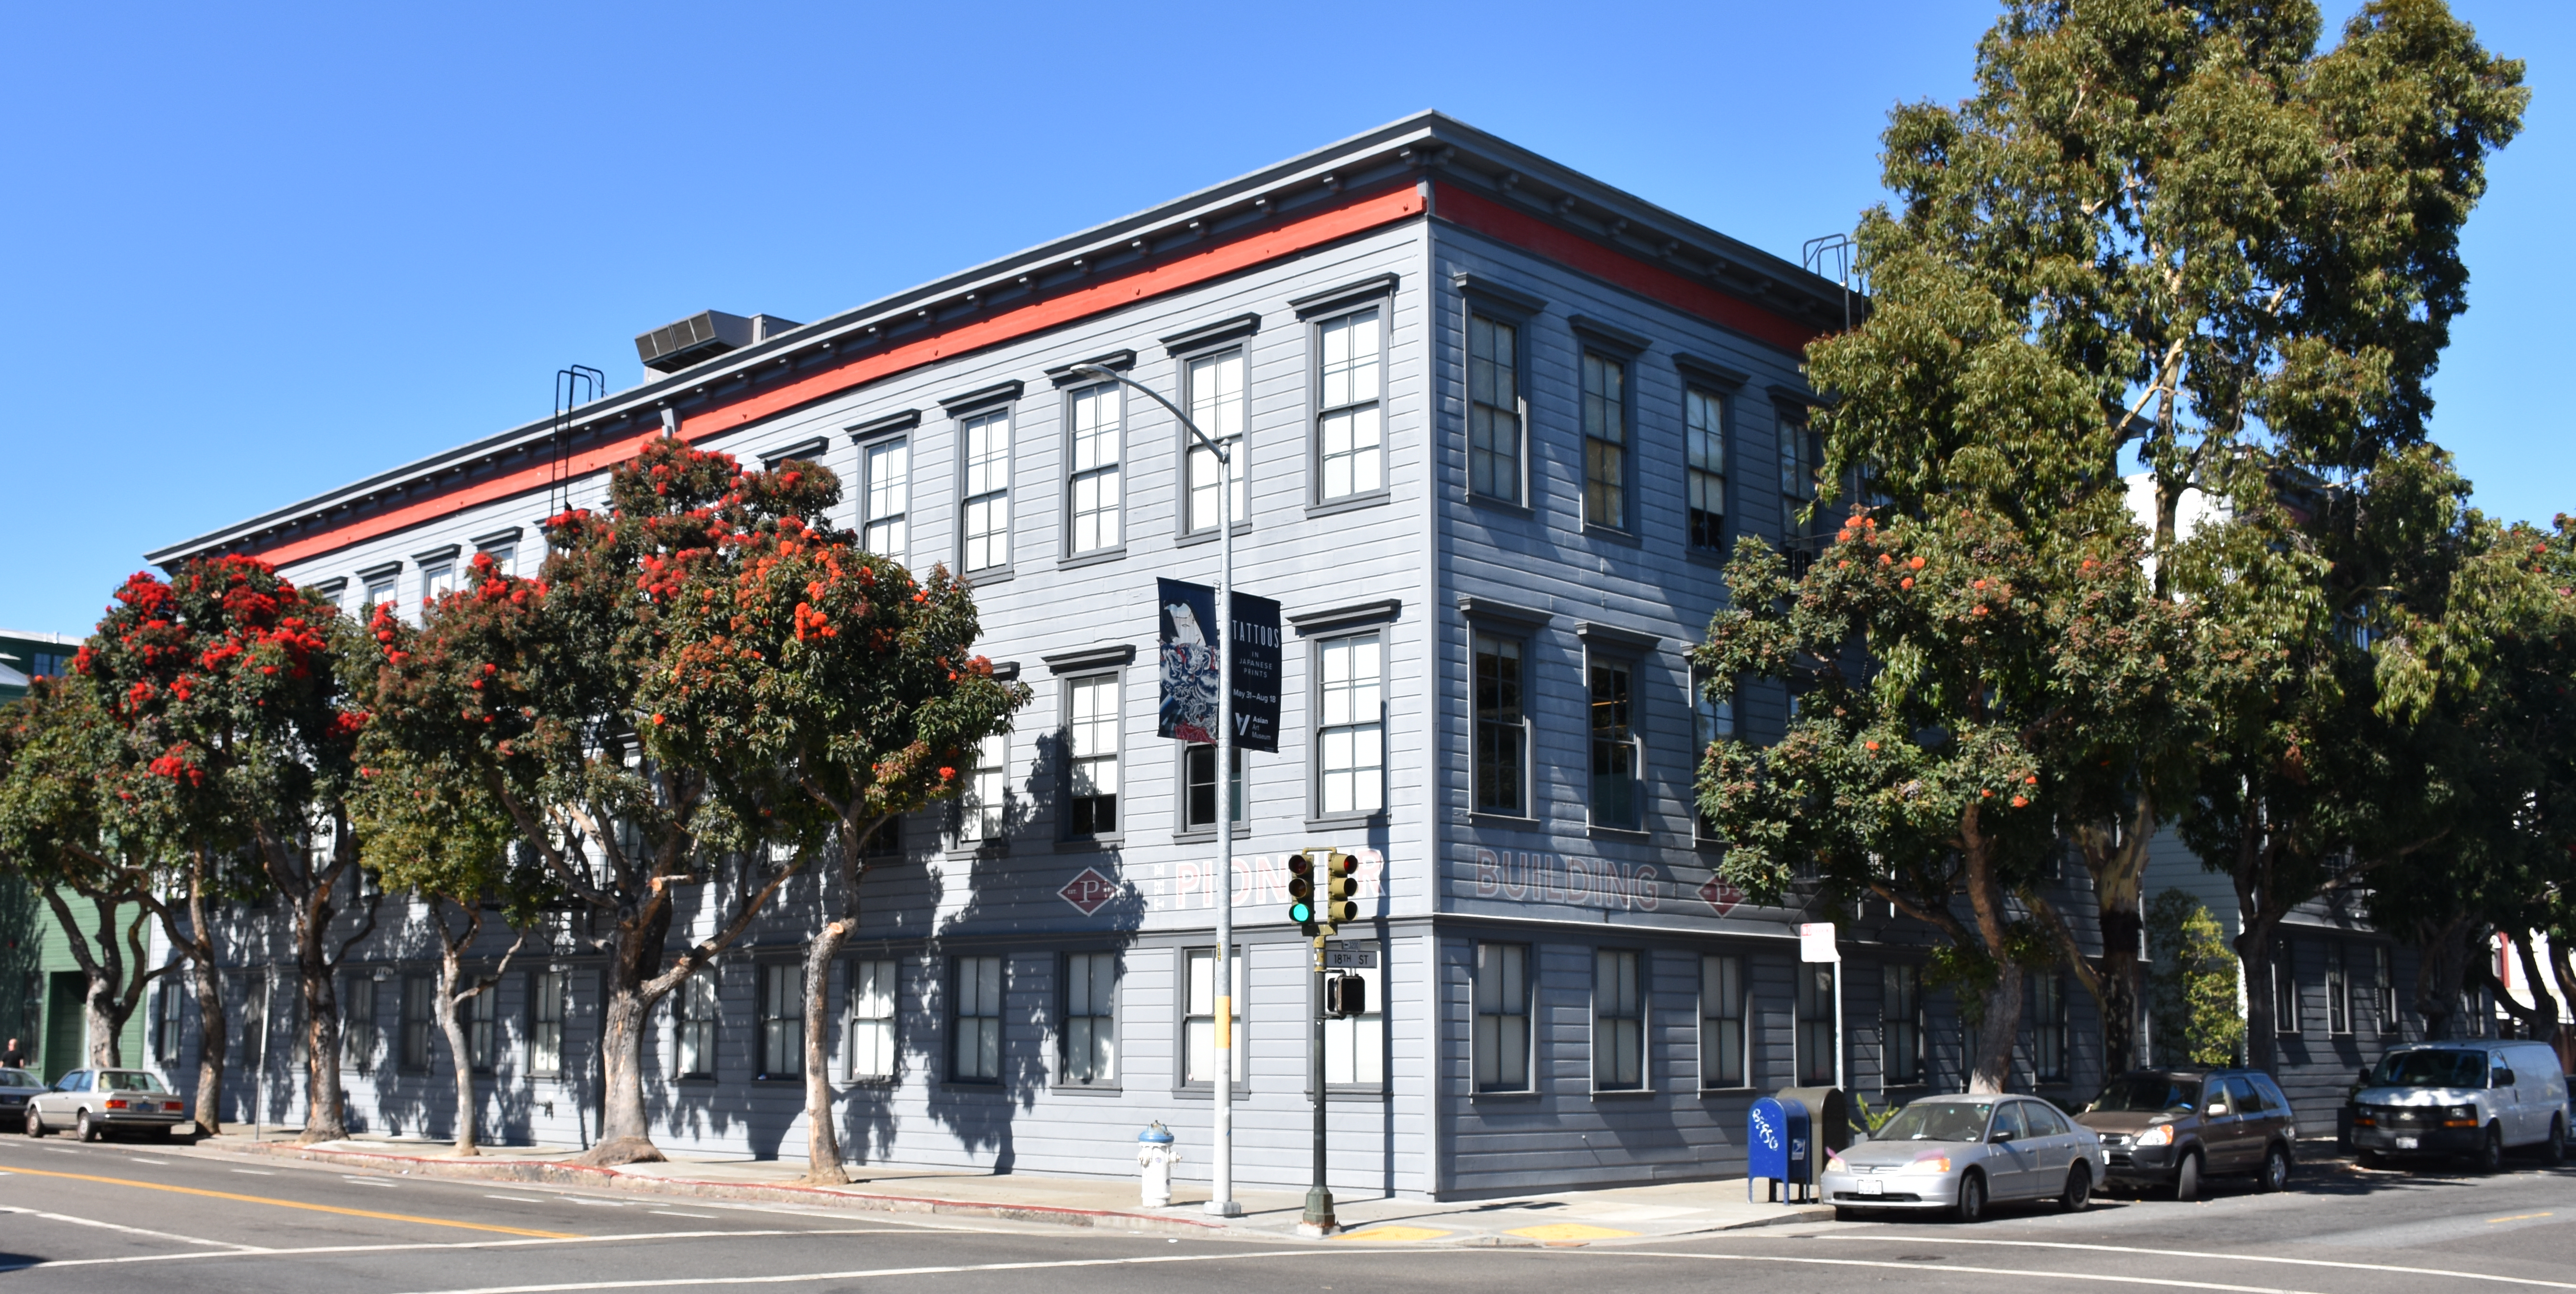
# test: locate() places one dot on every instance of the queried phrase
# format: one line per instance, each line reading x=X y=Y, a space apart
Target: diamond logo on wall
x=1088 y=891
x=1720 y=895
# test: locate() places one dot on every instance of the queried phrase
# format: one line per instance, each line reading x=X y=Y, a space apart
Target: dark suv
x=2171 y=1128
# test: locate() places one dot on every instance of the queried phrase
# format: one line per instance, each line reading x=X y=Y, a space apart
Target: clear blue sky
x=255 y=252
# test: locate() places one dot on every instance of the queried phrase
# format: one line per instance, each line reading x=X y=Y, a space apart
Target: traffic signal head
x=1341 y=886
x=1301 y=889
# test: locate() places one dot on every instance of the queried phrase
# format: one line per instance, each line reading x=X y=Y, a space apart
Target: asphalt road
x=136 y=1217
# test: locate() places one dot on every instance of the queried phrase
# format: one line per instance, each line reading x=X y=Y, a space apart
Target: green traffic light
x=1300 y=913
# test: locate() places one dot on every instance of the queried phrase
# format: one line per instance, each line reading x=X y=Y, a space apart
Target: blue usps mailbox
x=1778 y=1141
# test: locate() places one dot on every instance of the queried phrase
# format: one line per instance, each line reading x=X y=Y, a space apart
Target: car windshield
x=128 y=1080
x=2148 y=1094
x=18 y=1078
x=1938 y=1121
x=2432 y=1069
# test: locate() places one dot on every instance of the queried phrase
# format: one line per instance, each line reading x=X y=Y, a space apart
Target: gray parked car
x=1954 y=1154
x=95 y=1102
x=16 y=1085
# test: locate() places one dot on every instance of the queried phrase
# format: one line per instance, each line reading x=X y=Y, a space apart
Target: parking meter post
x=1318 y=1219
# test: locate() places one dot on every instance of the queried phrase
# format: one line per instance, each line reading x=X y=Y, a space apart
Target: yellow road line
x=2521 y=1217
x=299 y=1204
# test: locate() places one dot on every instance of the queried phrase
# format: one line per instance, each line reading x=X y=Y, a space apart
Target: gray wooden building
x=1498 y=422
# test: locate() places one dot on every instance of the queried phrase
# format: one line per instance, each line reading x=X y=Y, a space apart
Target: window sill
x=694 y=1080
x=980 y=849
x=1729 y=1092
x=1598 y=832
x=1358 y=821
x=866 y=1080
x=1207 y=1092
x=989 y=575
x=1622 y=1093
x=778 y=1080
x=1513 y=1097
x=1502 y=822
x=1202 y=835
x=1505 y=506
x=992 y=1087
x=1208 y=536
x=1091 y=559
x=1706 y=556
x=1612 y=535
x=1087 y=1089
x=1356 y=1093
x=1091 y=845
x=1353 y=503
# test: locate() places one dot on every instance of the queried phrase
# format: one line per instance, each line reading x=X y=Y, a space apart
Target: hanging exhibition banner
x=1189 y=666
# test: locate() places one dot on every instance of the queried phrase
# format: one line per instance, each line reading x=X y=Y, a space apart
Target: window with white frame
x=1704 y=444
x=1618 y=1021
x=1493 y=408
x=165 y=1021
x=380 y=590
x=1093 y=415
x=2285 y=990
x=1350 y=420
x=987 y=492
x=1198 y=791
x=482 y=1024
x=1198 y=1022
x=1712 y=721
x=1502 y=1018
x=1090 y=1019
x=2384 y=987
x=782 y=1020
x=977 y=1021
x=885 y=470
x=357 y=1023
x=1217 y=406
x=1502 y=733
x=1819 y=1034
x=418 y=1022
x=548 y=991
x=1350 y=744
x=437 y=582
x=869 y=1053
x=1355 y=1045
x=1721 y=1023
x=2338 y=991
x=693 y=1025
x=1802 y=455
x=1091 y=730
x=1617 y=787
x=2048 y=1028
x=1900 y=1023
x=504 y=557
x=1605 y=441
x=985 y=814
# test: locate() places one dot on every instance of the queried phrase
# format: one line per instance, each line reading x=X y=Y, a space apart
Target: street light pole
x=1221 y=1201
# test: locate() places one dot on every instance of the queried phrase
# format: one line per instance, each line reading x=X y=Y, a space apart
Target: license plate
x=2409 y=1143
x=1872 y=1186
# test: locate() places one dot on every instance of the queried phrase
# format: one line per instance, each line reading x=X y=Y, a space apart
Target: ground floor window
x=418 y=1020
x=693 y=1026
x=1199 y=1026
x=978 y=1021
x=1090 y=1018
x=1618 y=1021
x=871 y=1019
x=2048 y=1028
x=1721 y=1022
x=1502 y=1018
x=1355 y=1045
x=1901 y=1023
x=482 y=1024
x=782 y=1020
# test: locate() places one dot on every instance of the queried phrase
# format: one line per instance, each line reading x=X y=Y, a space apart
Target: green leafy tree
x=2192 y=997
x=852 y=690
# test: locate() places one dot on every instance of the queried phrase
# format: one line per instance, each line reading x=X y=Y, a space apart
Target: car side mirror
x=2001 y=1135
x=2215 y=1111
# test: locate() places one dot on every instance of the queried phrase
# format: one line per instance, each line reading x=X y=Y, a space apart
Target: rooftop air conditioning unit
x=702 y=337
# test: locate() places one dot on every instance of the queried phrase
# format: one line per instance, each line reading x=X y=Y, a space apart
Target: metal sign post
x=1319 y=1220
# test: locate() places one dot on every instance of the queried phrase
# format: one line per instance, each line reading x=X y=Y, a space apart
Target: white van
x=2471 y=1098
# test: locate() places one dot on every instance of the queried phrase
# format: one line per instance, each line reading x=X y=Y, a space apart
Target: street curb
x=559 y=1173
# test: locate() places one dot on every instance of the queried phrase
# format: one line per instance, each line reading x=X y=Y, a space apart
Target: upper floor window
x=987 y=491
x=357 y=1021
x=885 y=470
x=504 y=557
x=2383 y=987
x=1350 y=418
x=1350 y=744
x=1617 y=798
x=2285 y=990
x=1493 y=408
x=986 y=811
x=1216 y=405
x=1605 y=441
x=1502 y=734
x=1093 y=414
x=418 y=1021
x=1091 y=731
x=437 y=582
x=549 y=992
x=380 y=590
x=1712 y=721
x=1802 y=455
x=1199 y=794
x=1704 y=445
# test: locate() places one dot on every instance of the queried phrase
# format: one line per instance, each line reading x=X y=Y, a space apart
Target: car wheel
x=2369 y=1159
x=35 y=1122
x=88 y=1131
x=2490 y=1156
x=1842 y=1214
x=2187 y=1178
x=1972 y=1198
x=2553 y=1152
x=2079 y=1190
x=2276 y=1170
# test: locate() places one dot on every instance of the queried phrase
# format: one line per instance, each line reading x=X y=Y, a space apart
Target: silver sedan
x=94 y=1102
x=1956 y=1154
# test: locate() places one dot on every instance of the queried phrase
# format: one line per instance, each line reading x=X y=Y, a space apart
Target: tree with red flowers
x=234 y=745
x=850 y=692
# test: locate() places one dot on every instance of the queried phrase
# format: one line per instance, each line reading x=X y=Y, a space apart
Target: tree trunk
x=450 y=1023
x=822 y=1137
x=1989 y=1062
x=2254 y=955
x=2122 y=983
x=213 y=1031
x=322 y=1117
x=625 y=1130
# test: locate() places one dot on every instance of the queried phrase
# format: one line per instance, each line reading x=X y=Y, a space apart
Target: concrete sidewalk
x=1578 y=1217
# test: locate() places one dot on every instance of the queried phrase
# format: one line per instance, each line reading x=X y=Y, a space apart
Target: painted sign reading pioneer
x=1189 y=678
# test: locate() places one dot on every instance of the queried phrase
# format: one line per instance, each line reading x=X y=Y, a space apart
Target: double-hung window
x=482 y=1027
x=987 y=491
x=1350 y=421
x=1350 y=744
x=885 y=470
x=419 y=1020
x=1493 y=408
x=693 y=1025
x=1199 y=1019
x=1502 y=1018
x=2285 y=990
x=1802 y=454
x=1617 y=788
x=547 y=992
x=978 y=1021
x=870 y=1050
x=1355 y=1045
x=504 y=557
x=985 y=814
x=1704 y=451
x=1605 y=441
x=1216 y=405
x=1502 y=734
x=1712 y=721
x=2338 y=991
x=1090 y=1019
x=1618 y=1021
x=1819 y=1034
x=2384 y=987
x=2048 y=1028
x=1721 y=1023
x=1091 y=731
x=165 y=1021
x=1093 y=413
x=1900 y=1024
x=358 y=1022
x=1198 y=799
x=782 y=1020
x=437 y=582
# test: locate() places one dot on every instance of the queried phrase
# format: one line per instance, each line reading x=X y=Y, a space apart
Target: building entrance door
x=66 y=1023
